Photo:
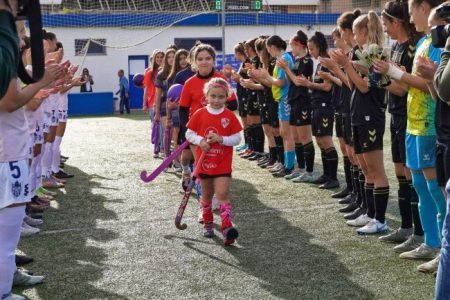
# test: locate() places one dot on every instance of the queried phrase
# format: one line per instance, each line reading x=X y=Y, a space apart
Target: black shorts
x=322 y=122
x=206 y=176
x=443 y=163
x=253 y=104
x=264 y=113
x=273 y=114
x=367 y=138
x=300 y=115
x=398 y=138
x=242 y=106
x=339 y=125
x=348 y=135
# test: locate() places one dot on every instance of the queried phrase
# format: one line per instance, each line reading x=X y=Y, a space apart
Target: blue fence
x=185 y=19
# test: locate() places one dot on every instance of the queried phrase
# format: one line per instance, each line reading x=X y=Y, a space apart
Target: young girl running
x=299 y=99
x=368 y=121
x=396 y=24
x=322 y=114
x=215 y=129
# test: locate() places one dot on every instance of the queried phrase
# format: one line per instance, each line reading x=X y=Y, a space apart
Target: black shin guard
x=370 y=200
x=362 y=183
x=323 y=155
x=418 y=230
x=381 y=197
x=310 y=152
x=404 y=202
x=300 y=154
x=332 y=162
x=280 y=149
x=258 y=138
x=348 y=174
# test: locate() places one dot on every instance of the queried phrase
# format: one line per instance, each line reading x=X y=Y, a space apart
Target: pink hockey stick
x=164 y=164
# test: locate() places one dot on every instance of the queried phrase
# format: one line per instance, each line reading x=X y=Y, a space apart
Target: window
x=96 y=47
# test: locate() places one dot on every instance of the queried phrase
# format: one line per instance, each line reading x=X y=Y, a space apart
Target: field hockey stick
x=155 y=137
x=187 y=194
x=147 y=178
x=167 y=141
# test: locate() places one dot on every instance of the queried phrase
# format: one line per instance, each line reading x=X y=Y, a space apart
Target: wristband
x=395 y=72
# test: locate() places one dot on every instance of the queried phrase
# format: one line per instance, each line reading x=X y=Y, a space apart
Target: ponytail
x=321 y=42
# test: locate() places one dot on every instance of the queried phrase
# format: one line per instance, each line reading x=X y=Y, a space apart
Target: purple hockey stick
x=187 y=194
x=155 y=137
x=164 y=164
x=167 y=141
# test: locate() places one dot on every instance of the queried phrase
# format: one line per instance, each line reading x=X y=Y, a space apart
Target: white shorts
x=62 y=116
x=46 y=125
x=54 y=118
x=39 y=135
x=14 y=187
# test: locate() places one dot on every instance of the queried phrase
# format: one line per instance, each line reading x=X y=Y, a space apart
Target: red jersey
x=219 y=158
x=192 y=95
x=149 y=83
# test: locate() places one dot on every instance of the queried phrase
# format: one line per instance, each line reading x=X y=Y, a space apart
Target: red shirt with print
x=192 y=95
x=218 y=159
x=149 y=83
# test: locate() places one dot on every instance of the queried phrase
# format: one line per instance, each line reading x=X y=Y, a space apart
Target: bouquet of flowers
x=366 y=57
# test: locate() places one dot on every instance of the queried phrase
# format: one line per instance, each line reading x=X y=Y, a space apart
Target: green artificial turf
x=111 y=236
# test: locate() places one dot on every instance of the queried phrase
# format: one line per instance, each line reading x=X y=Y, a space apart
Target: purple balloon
x=138 y=80
x=174 y=93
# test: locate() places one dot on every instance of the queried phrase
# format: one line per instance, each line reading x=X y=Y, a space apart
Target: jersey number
x=14 y=168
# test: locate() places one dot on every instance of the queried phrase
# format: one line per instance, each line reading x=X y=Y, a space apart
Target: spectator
x=123 y=91
x=88 y=82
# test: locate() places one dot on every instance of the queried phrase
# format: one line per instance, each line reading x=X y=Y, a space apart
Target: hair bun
x=357 y=12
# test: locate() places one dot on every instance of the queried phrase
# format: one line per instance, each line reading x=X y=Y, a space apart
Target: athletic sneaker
x=430 y=266
x=248 y=154
x=321 y=180
x=276 y=168
x=422 y=252
x=230 y=235
x=241 y=147
x=46 y=192
x=17 y=297
x=304 y=177
x=397 y=236
x=355 y=214
x=51 y=183
x=23 y=279
x=61 y=175
x=360 y=221
x=373 y=227
x=245 y=152
x=264 y=161
x=27 y=230
x=413 y=242
x=208 y=230
x=296 y=173
x=33 y=222
x=282 y=173
x=330 y=184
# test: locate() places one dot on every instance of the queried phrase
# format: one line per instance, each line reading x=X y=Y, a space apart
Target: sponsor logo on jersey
x=16 y=189
x=225 y=122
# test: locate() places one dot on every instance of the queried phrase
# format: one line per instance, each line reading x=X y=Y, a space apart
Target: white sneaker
x=278 y=167
x=304 y=177
x=33 y=222
x=430 y=266
x=374 y=226
x=360 y=221
x=27 y=230
x=293 y=175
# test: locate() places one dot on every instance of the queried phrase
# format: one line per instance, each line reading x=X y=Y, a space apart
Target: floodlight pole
x=223 y=32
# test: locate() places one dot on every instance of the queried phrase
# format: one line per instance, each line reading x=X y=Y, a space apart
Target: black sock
x=250 y=143
x=348 y=174
x=272 y=155
x=259 y=138
x=323 y=155
x=356 y=185
x=362 y=183
x=370 y=200
x=381 y=197
x=332 y=162
x=280 y=149
x=246 y=139
x=300 y=154
x=404 y=202
x=418 y=230
x=310 y=152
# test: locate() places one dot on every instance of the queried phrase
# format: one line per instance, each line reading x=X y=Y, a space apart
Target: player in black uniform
x=322 y=113
x=253 y=108
x=300 y=101
x=368 y=121
x=241 y=93
x=396 y=23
